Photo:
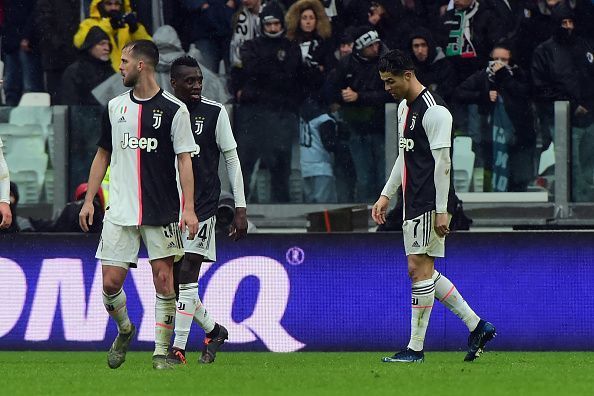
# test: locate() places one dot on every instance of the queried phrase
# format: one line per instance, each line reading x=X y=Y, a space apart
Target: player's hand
x=189 y=221
x=85 y=217
x=441 y=224
x=378 y=212
x=238 y=229
x=6 y=215
x=493 y=96
x=349 y=96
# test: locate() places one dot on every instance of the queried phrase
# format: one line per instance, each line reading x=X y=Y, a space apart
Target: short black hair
x=145 y=49
x=182 y=61
x=396 y=62
x=504 y=45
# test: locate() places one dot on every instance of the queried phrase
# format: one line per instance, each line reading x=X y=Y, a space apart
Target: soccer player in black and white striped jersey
x=423 y=168
x=213 y=136
x=145 y=131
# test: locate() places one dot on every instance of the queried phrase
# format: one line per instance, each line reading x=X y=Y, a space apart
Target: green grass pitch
x=307 y=373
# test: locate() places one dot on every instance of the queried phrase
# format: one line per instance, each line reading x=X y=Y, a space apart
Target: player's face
x=129 y=68
x=308 y=21
x=420 y=49
x=187 y=85
x=396 y=85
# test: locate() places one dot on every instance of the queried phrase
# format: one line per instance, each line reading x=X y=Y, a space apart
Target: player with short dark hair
x=145 y=130
x=423 y=168
x=213 y=136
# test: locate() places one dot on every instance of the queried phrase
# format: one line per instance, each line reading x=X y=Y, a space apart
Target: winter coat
x=56 y=23
x=18 y=24
x=117 y=37
x=436 y=73
x=213 y=22
x=270 y=67
x=515 y=92
x=81 y=77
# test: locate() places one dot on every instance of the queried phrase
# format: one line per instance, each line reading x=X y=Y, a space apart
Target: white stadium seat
x=463 y=163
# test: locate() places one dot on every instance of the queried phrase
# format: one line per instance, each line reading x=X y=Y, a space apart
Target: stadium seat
x=28 y=187
x=26 y=140
x=24 y=115
x=37 y=164
x=547 y=159
x=35 y=99
x=463 y=163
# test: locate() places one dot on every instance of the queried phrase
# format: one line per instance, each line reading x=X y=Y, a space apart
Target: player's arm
x=98 y=169
x=378 y=212
x=184 y=145
x=438 y=126
x=228 y=146
x=5 y=213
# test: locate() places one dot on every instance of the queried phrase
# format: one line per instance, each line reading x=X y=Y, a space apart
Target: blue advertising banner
x=311 y=292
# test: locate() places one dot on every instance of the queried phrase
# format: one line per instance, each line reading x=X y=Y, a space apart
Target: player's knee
x=163 y=282
x=190 y=269
x=111 y=285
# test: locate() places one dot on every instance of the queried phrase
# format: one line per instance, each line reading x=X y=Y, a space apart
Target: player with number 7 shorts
x=213 y=135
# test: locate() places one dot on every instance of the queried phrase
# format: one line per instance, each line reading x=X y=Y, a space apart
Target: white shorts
x=204 y=242
x=420 y=237
x=119 y=245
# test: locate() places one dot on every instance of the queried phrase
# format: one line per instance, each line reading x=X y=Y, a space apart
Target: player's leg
x=420 y=268
x=163 y=245
x=117 y=250
x=445 y=291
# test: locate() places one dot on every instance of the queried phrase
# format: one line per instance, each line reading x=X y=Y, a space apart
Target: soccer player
x=213 y=136
x=5 y=213
x=144 y=130
x=423 y=169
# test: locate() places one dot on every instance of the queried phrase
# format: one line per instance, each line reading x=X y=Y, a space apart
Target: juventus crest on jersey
x=423 y=125
x=144 y=137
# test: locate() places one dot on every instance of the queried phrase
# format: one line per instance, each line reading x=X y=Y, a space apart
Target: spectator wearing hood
x=266 y=118
x=432 y=68
x=170 y=48
x=357 y=92
x=563 y=69
x=91 y=69
x=115 y=17
x=56 y=23
x=502 y=92
x=310 y=29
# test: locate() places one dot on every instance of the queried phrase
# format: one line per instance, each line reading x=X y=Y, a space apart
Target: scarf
x=460 y=41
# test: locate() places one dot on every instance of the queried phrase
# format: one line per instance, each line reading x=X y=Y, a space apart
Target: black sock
x=214 y=332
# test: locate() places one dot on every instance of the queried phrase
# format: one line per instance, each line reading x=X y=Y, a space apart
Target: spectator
x=563 y=69
x=346 y=43
x=116 y=18
x=309 y=28
x=246 y=26
x=22 y=61
x=170 y=49
x=56 y=24
x=91 y=69
x=432 y=68
x=502 y=92
x=356 y=90
x=209 y=28
x=266 y=116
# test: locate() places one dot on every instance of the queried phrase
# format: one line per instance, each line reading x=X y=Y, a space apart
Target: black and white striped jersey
x=423 y=125
x=213 y=135
x=144 y=137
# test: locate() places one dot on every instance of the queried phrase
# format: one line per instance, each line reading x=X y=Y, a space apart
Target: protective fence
x=310 y=292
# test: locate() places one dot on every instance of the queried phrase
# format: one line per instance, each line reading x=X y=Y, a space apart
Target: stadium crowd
x=302 y=77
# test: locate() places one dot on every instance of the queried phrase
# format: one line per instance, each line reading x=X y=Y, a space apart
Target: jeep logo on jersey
x=199 y=123
x=406 y=144
x=157 y=114
x=148 y=144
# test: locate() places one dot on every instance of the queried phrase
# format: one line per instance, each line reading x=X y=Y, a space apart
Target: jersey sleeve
x=223 y=132
x=181 y=132
x=437 y=123
x=105 y=139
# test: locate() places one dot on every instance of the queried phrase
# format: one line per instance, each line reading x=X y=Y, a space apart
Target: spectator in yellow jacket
x=116 y=18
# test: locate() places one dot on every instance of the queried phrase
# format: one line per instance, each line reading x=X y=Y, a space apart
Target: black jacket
x=56 y=24
x=515 y=92
x=310 y=77
x=18 y=24
x=80 y=78
x=270 y=67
